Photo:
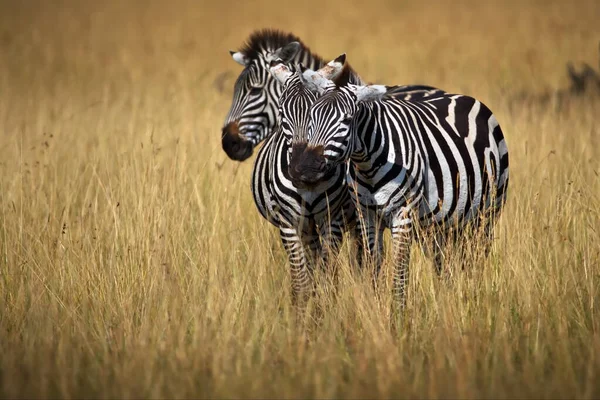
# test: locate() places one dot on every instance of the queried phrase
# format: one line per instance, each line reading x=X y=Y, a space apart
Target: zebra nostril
x=236 y=147
x=298 y=170
x=322 y=164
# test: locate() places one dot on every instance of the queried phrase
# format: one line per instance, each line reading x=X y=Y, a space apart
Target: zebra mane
x=270 y=40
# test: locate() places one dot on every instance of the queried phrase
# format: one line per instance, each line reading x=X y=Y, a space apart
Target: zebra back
x=446 y=148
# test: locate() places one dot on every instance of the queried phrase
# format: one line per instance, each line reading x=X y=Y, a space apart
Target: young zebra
x=253 y=113
x=441 y=159
x=301 y=215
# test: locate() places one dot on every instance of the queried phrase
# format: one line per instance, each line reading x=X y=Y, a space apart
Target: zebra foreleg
x=439 y=240
x=401 y=241
x=488 y=237
x=356 y=255
x=312 y=244
x=332 y=237
x=370 y=236
x=301 y=276
x=438 y=255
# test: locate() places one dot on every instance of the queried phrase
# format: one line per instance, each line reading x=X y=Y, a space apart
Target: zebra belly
x=387 y=200
x=263 y=199
x=456 y=202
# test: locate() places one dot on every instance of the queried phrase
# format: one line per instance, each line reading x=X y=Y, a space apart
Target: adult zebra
x=301 y=215
x=441 y=159
x=253 y=113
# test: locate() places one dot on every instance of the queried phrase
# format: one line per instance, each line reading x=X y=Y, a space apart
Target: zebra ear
x=368 y=93
x=281 y=72
x=239 y=57
x=300 y=70
x=333 y=67
x=286 y=53
x=316 y=82
x=338 y=63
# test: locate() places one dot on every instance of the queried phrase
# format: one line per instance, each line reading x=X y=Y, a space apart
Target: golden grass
x=134 y=262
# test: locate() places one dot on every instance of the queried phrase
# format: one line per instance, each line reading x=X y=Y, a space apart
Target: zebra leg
x=301 y=276
x=488 y=238
x=438 y=249
x=488 y=234
x=311 y=242
x=332 y=239
x=433 y=242
x=401 y=240
x=370 y=234
x=359 y=248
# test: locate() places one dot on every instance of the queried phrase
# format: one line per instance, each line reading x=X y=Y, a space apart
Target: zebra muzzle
x=308 y=166
x=236 y=147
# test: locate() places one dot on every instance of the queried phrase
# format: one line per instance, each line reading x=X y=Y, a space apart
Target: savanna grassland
x=134 y=263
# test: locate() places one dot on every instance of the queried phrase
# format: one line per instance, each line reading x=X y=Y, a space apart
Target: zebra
x=301 y=215
x=440 y=161
x=253 y=113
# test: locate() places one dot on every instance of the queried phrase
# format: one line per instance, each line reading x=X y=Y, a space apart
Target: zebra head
x=294 y=103
x=300 y=91
x=253 y=112
x=333 y=121
x=298 y=95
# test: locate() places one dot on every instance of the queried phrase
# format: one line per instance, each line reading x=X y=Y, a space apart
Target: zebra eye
x=347 y=119
x=255 y=90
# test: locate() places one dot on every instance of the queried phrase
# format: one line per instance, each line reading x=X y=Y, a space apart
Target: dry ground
x=134 y=263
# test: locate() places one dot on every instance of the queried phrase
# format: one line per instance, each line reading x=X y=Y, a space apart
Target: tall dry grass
x=134 y=263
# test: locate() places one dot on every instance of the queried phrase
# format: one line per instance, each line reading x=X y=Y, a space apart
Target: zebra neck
x=355 y=79
x=376 y=142
x=308 y=59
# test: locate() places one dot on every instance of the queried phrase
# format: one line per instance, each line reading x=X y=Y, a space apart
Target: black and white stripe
x=303 y=215
x=253 y=112
x=253 y=115
x=437 y=158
